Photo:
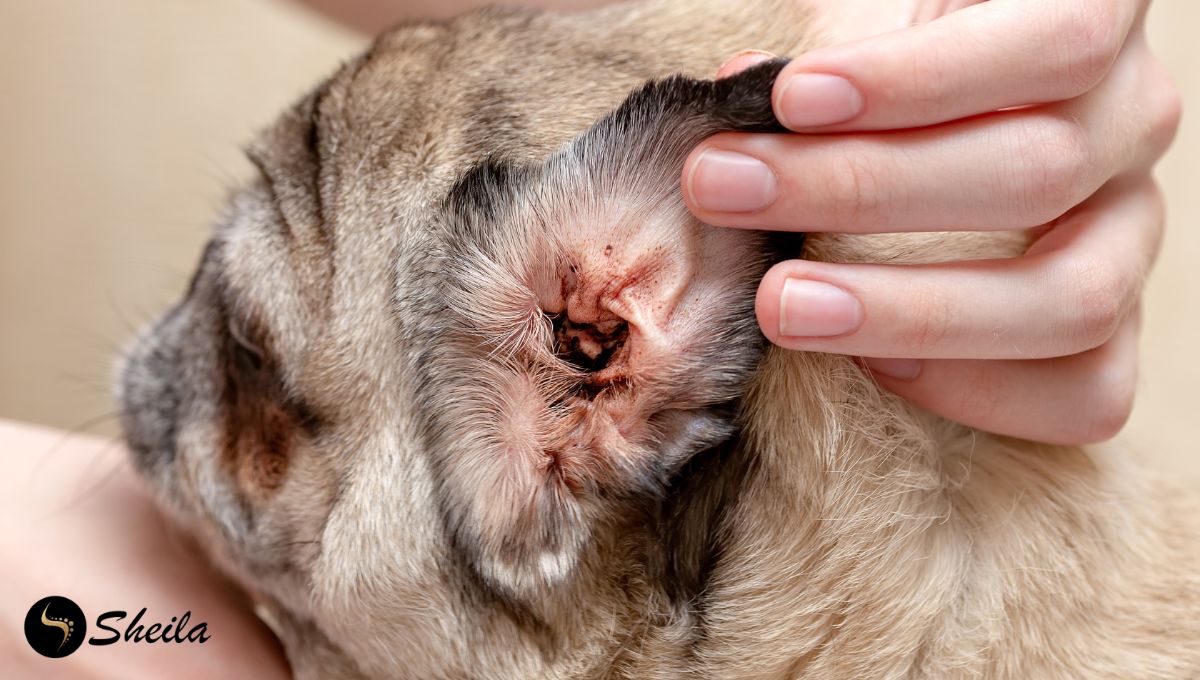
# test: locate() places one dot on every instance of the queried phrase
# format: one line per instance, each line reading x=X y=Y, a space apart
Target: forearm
x=373 y=16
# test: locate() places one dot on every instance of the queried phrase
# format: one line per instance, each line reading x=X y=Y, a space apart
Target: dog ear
x=287 y=156
x=597 y=334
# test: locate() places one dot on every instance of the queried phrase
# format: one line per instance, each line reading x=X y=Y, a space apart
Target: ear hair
x=527 y=486
x=654 y=128
x=660 y=123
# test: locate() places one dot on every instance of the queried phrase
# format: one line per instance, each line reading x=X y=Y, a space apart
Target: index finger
x=979 y=59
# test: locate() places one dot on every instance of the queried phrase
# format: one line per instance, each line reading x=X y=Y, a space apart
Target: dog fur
x=461 y=390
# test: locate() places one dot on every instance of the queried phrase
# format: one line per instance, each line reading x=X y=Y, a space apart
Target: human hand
x=1043 y=346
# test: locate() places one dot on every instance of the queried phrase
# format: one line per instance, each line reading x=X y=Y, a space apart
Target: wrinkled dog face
x=425 y=365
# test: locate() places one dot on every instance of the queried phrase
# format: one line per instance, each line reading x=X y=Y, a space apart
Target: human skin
x=77 y=523
x=1042 y=347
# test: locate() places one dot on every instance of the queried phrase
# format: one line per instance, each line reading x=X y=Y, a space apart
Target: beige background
x=120 y=131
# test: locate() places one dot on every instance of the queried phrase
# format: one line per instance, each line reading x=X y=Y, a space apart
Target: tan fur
x=865 y=539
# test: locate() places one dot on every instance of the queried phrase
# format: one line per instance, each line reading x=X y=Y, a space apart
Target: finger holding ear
x=1039 y=346
x=981 y=58
x=1074 y=400
x=1006 y=170
x=1065 y=296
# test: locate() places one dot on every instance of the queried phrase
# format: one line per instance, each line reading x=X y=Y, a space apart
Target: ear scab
x=597 y=334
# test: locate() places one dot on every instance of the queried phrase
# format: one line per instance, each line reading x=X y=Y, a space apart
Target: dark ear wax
x=589 y=347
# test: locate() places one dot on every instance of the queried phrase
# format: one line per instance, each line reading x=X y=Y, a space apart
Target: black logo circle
x=55 y=626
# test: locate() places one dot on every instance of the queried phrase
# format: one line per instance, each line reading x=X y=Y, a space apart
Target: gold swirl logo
x=55 y=626
x=64 y=624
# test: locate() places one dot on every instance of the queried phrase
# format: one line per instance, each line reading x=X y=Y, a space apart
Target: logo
x=55 y=626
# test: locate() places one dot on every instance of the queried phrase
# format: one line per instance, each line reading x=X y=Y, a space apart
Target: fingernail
x=724 y=181
x=814 y=309
x=742 y=61
x=815 y=99
x=900 y=369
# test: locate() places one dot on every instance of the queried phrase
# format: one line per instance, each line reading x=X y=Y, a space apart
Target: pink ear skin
x=603 y=332
x=613 y=394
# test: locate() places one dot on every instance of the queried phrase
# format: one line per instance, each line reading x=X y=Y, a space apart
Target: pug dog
x=461 y=390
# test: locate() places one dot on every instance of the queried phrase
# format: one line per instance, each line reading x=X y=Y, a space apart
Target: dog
x=460 y=389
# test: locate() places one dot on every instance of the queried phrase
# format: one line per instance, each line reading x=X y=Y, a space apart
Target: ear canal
x=598 y=335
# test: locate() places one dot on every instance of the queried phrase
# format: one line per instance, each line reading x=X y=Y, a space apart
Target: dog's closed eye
x=262 y=421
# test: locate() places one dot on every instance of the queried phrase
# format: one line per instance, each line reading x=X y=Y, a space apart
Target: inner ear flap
x=603 y=188
x=597 y=334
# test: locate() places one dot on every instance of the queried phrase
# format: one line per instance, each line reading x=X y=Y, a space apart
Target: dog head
x=440 y=357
